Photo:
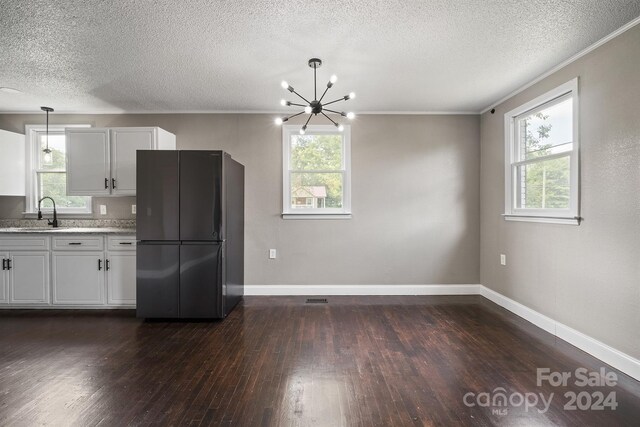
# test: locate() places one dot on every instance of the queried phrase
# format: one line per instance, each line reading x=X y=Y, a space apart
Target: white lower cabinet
x=25 y=270
x=4 y=279
x=78 y=278
x=84 y=276
x=29 y=277
x=80 y=271
x=121 y=278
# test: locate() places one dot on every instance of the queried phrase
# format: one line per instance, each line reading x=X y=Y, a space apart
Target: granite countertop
x=69 y=230
x=68 y=226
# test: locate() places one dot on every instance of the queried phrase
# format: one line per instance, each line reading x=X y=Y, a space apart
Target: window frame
x=512 y=150
x=317 y=213
x=32 y=173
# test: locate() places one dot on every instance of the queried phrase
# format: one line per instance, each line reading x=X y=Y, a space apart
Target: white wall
x=587 y=277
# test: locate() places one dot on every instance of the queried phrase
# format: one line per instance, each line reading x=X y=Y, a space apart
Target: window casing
x=316 y=172
x=46 y=174
x=542 y=158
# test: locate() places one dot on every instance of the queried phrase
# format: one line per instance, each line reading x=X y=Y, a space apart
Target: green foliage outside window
x=321 y=154
x=546 y=183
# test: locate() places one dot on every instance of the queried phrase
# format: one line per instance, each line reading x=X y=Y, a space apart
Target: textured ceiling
x=204 y=55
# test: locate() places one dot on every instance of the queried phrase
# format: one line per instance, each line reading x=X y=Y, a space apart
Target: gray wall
x=415 y=185
x=587 y=277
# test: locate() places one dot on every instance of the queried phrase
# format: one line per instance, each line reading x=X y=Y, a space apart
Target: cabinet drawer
x=27 y=243
x=83 y=243
x=121 y=243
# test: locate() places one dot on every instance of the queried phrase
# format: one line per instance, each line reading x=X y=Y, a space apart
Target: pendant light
x=47 y=151
x=315 y=107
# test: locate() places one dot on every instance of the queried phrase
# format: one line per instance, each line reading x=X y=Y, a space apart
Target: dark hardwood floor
x=276 y=361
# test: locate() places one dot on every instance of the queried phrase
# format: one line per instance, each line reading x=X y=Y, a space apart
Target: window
x=541 y=168
x=316 y=172
x=47 y=175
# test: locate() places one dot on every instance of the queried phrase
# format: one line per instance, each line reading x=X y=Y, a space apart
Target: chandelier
x=315 y=107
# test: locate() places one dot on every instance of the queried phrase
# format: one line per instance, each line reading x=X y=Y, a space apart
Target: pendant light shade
x=47 y=150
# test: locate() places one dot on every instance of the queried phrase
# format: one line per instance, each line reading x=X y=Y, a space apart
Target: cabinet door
x=29 y=277
x=78 y=278
x=88 y=164
x=12 y=164
x=121 y=278
x=4 y=275
x=124 y=144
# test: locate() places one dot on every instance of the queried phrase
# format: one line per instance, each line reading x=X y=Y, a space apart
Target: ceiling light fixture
x=315 y=107
x=47 y=150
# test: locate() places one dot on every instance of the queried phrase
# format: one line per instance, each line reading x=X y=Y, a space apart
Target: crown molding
x=362 y=113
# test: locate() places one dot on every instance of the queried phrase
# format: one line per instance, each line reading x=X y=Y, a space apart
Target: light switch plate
x=103 y=209
x=133 y=209
x=503 y=259
x=272 y=254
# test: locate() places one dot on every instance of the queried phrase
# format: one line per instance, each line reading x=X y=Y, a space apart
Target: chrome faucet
x=54 y=222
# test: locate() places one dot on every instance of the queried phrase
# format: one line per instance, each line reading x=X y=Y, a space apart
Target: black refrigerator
x=190 y=232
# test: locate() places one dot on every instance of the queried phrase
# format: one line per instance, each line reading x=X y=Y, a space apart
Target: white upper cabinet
x=103 y=161
x=88 y=165
x=12 y=164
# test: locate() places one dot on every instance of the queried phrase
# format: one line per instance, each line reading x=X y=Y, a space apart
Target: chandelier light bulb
x=307 y=109
x=284 y=85
x=351 y=115
x=352 y=95
x=340 y=127
x=278 y=121
x=333 y=79
x=302 y=131
x=283 y=102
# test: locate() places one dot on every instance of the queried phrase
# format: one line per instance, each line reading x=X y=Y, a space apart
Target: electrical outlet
x=503 y=259
x=133 y=209
x=103 y=209
x=272 y=254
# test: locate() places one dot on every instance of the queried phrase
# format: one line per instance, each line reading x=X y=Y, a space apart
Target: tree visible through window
x=51 y=177
x=545 y=183
x=313 y=160
x=316 y=170
x=542 y=168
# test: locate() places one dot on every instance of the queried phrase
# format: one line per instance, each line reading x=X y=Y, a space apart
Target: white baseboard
x=288 y=290
x=609 y=355
x=597 y=349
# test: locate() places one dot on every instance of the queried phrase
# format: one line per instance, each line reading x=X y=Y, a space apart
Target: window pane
x=316 y=190
x=55 y=159
x=544 y=185
x=547 y=131
x=54 y=185
x=316 y=152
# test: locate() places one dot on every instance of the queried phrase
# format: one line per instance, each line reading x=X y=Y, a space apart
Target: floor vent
x=317 y=301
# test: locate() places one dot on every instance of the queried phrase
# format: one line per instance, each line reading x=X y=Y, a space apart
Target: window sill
x=575 y=220
x=316 y=216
